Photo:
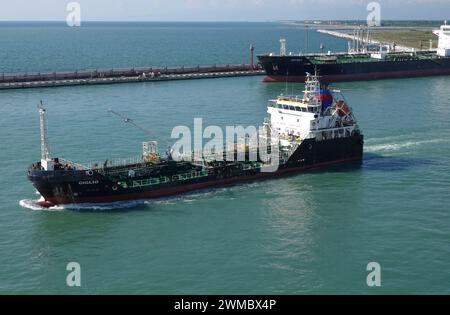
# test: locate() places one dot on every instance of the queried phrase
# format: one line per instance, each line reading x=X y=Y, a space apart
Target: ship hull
x=293 y=69
x=77 y=187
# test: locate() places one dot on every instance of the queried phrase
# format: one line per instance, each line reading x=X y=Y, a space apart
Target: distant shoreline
x=350 y=24
x=405 y=39
x=351 y=37
x=406 y=35
x=319 y=23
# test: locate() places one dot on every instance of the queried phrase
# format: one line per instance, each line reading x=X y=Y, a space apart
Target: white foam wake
x=401 y=145
x=33 y=205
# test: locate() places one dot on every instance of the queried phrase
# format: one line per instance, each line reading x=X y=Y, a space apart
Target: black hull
x=294 y=68
x=71 y=187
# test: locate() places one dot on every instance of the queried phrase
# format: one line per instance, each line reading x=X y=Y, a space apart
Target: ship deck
x=367 y=58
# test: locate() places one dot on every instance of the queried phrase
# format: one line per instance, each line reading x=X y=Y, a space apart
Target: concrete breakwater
x=351 y=37
x=123 y=75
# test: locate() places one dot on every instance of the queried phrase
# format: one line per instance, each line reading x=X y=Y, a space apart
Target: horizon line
x=228 y=21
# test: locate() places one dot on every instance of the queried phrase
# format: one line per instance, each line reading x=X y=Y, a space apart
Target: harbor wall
x=118 y=72
x=125 y=75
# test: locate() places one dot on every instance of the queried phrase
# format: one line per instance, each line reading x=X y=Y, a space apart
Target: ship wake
x=35 y=206
x=400 y=145
x=120 y=205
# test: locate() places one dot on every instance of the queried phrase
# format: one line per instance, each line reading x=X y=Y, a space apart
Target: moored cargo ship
x=360 y=64
x=302 y=133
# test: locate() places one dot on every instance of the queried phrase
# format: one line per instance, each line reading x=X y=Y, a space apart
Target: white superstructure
x=444 y=40
x=296 y=118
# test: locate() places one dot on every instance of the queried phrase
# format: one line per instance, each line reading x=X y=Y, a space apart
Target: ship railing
x=314 y=54
x=76 y=166
x=201 y=158
x=333 y=133
x=116 y=163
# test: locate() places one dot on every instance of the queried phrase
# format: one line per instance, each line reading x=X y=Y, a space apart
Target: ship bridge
x=444 y=40
x=292 y=116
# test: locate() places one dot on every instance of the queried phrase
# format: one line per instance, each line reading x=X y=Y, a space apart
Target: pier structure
x=357 y=38
x=125 y=75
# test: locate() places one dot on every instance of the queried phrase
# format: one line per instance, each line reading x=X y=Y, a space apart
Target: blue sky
x=222 y=10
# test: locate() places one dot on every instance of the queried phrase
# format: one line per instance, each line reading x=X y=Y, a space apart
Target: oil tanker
x=360 y=63
x=302 y=133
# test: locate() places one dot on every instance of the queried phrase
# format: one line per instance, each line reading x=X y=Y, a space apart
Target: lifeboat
x=342 y=108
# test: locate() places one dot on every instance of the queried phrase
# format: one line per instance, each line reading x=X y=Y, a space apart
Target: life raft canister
x=343 y=109
x=151 y=157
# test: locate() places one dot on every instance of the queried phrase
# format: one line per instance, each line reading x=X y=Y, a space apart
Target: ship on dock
x=363 y=61
x=312 y=131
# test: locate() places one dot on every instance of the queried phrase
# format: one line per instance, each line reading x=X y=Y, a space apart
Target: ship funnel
x=46 y=160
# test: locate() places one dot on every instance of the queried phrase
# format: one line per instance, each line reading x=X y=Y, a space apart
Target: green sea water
x=307 y=234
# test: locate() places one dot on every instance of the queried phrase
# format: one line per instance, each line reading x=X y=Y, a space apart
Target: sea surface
x=313 y=233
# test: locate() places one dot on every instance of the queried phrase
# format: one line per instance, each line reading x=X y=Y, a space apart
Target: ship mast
x=45 y=152
x=46 y=161
x=312 y=90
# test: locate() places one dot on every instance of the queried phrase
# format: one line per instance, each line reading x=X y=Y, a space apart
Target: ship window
x=285 y=107
x=304 y=109
x=291 y=107
x=280 y=106
x=298 y=109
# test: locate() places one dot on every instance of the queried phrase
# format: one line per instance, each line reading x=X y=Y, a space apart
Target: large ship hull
x=72 y=187
x=294 y=68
